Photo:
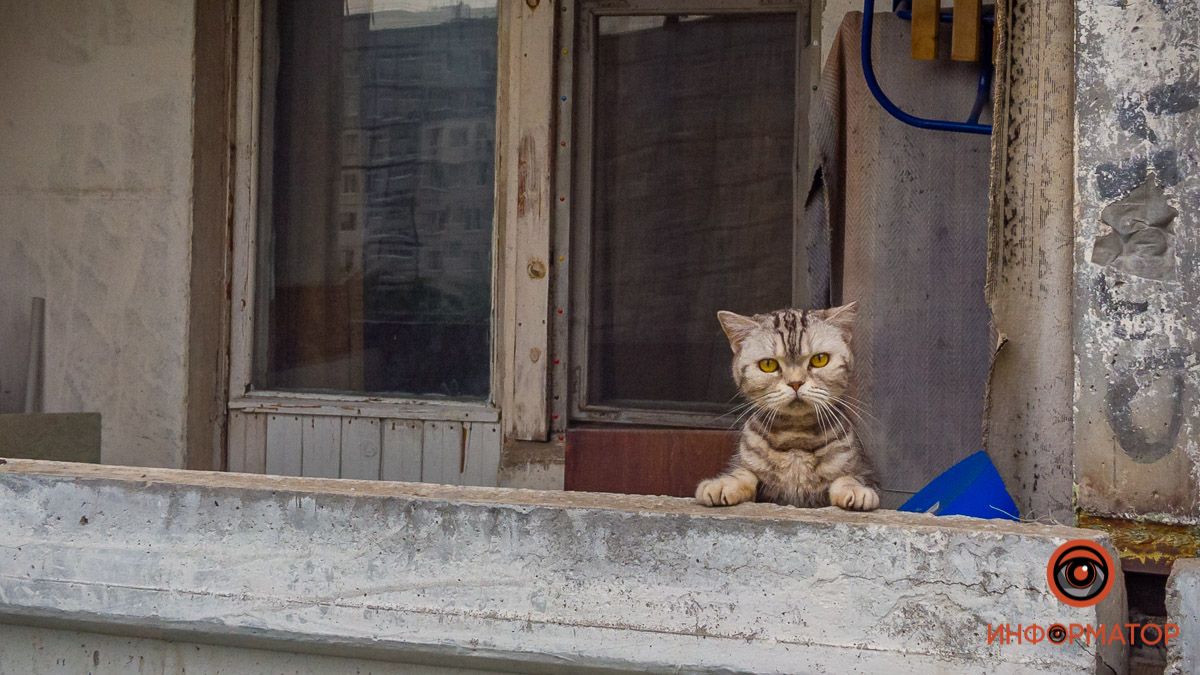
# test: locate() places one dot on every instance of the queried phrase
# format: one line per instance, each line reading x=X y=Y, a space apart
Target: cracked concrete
x=494 y=578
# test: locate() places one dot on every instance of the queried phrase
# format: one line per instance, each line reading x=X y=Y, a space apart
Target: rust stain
x=533 y=4
x=1149 y=544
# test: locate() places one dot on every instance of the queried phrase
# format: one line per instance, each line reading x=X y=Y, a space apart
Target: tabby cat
x=799 y=447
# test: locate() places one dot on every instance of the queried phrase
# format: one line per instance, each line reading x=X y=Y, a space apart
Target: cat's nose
x=795 y=385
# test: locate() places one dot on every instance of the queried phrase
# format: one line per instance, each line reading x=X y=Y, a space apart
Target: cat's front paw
x=724 y=491
x=853 y=496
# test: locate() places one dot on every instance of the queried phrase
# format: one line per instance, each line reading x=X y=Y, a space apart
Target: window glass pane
x=692 y=192
x=377 y=197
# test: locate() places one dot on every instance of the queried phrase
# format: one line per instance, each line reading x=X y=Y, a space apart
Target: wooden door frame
x=573 y=226
x=524 y=142
x=213 y=114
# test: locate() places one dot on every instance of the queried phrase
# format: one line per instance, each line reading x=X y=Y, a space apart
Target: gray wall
x=1137 y=259
x=95 y=212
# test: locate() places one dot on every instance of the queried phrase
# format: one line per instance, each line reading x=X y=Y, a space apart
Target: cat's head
x=792 y=357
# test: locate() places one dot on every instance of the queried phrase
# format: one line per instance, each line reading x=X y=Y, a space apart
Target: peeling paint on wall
x=1141 y=240
x=1137 y=267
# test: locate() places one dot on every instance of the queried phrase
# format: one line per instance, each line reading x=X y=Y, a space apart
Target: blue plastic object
x=972 y=487
x=971 y=126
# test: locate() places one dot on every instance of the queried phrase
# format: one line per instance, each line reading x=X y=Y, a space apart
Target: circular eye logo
x=1079 y=573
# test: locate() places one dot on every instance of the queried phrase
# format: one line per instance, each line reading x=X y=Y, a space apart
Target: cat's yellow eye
x=768 y=365
x=819 y=360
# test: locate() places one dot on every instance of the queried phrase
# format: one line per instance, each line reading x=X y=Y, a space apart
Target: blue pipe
x=981 y=95
x=971 y=126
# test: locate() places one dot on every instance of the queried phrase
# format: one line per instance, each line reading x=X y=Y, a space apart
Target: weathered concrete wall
x=1183 y=608
x=1028 y=423
x=1137 y=258
x=27 y=650
x=486 y=578
x=95 y=190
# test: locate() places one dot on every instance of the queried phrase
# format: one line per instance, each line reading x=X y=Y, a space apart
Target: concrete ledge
x=1183 y=608
x=525 y=580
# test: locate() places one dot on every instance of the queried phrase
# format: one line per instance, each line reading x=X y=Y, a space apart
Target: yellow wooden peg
x=925 y=29
x=966 y=37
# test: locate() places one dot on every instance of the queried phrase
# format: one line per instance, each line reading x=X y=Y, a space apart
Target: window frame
x=251 y=261
x=577 y=226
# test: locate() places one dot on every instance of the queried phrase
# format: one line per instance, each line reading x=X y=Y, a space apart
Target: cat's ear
x=842 y=317
x=737 y=328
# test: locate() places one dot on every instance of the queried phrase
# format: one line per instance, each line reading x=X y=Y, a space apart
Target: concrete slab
x=29 y=650
x=519 y=579
x=1183 y=608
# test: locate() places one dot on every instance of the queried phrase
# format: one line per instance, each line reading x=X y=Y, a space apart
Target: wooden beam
x=528 y=114
x=967 y=29
x=925 y=29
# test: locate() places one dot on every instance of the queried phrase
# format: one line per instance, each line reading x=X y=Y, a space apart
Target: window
x=377 y=181
x=350 y=104
x=691 y=192
x=367 y=319
x=379 y=145
x=350 y=145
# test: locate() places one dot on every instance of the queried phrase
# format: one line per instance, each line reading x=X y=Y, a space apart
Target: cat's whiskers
x=843 y=429
x=770 y=423
x=821 y=421
x=862 y=415
x=856 y=405
x=833 y=421
x=826 y=399
x=748 y=408
x=849 y=424
x=744 y=416
x=738 y=408
x=851 y=403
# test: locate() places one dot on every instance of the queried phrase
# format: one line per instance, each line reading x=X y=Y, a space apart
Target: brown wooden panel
x=644 y=461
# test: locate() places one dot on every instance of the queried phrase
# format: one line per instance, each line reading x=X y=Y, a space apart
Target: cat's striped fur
x=799 y=446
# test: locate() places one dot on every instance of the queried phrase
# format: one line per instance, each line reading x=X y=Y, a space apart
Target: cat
x=794 y=367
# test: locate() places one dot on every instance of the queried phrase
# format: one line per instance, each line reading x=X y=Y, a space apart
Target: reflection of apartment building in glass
x=416 y=200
